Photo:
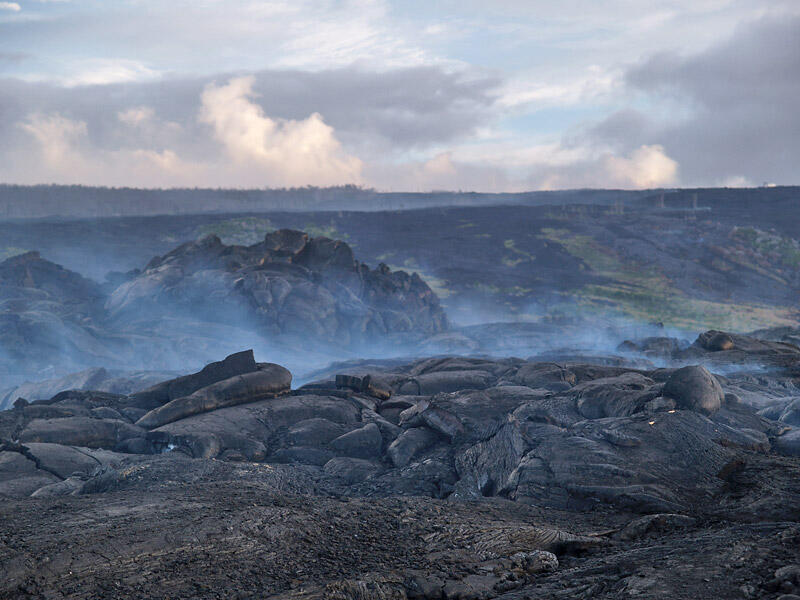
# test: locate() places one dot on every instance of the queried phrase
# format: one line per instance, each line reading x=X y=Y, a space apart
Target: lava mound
x=287 y=284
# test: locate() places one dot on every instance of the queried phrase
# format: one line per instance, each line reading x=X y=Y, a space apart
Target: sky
x=403 y=95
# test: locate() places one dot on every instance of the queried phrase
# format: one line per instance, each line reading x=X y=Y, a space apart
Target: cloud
x=13 y=57
x=593 y=84
x=136 y=116
x=728 y=113
x=646 y=167
x=587 y=167
x=229 y=140
x=58 y=138
x=721 y=115
x=443 y=171
x=104 y=71
x=391 y=115
x=246 y=148
x=12 y=6
x=288 y=152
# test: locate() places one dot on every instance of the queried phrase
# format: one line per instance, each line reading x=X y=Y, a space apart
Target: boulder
x=365 y=443
x=367 y=384
x=788 y=444
x=410 y=444
x=549 y=376
x=715 y=341
x=315 y=432
x=694 y=388
x=613 y=396
x=268 y=381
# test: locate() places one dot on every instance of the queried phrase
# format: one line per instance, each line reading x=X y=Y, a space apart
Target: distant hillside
x=729 y=260
x=35 y=202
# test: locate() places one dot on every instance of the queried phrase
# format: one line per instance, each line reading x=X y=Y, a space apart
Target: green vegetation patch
x=328 y=231
x=599 y=258
x=518 y=256
x=644 y=293
x=774 y=248
x=676 y=309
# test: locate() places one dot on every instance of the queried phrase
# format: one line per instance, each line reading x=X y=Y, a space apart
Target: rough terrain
x=446 y=477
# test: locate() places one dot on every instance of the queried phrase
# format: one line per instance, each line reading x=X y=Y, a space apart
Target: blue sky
x=411 y=95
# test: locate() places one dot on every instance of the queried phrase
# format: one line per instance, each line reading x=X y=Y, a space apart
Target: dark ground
x=239 y=538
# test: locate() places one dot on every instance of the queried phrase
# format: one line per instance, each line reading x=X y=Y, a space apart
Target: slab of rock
x=485 y=468
x=613 y=396
x=269 y=381
x=161 y=393
x=549 y=376
x=364 y=442
x=315 y=432
x=658 y=523
x=447 y=381
x=64 y=461
x=788 y=444
x=80 y=431
x=19 y=476
x=410 y=444
x=68 y=487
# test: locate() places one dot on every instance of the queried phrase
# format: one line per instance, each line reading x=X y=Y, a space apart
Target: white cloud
x=12 y=6
x=441 y=164
x=592 y=84
x=58 y=138
x=275 y=152
x=257 y=151
x=646 y=167
x=103 y=71
x=136 y=116
x=736 y=181
x=252 y=149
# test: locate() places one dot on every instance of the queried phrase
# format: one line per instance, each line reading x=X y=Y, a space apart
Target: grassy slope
x=646 y=294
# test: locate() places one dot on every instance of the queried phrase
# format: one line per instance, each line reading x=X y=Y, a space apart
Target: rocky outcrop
x=185 y=306
x=287 y=284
